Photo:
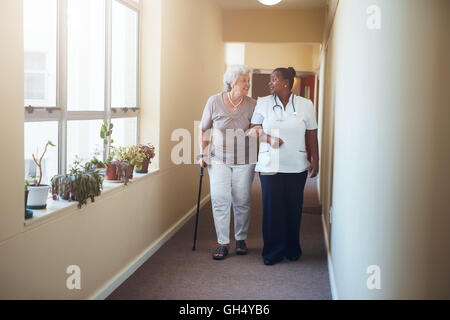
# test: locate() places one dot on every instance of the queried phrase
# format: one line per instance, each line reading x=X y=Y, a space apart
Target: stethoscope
x=281 y=107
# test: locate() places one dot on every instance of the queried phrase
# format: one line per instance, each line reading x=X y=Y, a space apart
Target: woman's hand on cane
x=202 y=163
x=202 y=160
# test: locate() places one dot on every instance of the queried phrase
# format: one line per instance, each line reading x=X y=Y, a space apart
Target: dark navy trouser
x=282 y=196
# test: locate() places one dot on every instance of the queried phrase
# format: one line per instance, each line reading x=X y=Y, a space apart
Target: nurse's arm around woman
x=285 y=123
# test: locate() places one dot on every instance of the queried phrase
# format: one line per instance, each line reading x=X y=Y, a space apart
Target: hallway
x=376 y=71
x=176 y=272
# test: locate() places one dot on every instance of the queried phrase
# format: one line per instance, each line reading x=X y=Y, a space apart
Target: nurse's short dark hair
x=287 y=74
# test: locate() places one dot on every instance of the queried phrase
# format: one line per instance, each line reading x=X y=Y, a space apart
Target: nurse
x=287 y=128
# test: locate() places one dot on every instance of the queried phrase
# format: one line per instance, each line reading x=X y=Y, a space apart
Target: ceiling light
x=269 y=2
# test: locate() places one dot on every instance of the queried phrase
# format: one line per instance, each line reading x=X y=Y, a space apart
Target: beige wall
x=11 y=120
x=270 y=56
x=385 y=149
x=193 y=63
x=274 y=25
x=105 y=236
x=150 y=74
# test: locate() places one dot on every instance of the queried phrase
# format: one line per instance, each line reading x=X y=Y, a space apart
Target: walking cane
x=198 y=207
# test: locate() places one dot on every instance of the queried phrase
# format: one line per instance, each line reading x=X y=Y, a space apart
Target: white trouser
x=231 y=184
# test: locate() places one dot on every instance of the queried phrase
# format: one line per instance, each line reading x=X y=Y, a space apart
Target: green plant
x=62 y=186
x=95 y=164
x=147 y=150
x=80 y=184
x=124 y=170
x=105 y=134
x=130 y=154
x=112 y=153
x=76 y=167
x=26 y=185
x=39 y=162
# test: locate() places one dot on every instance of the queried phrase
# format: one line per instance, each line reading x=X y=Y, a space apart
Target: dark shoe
x=292 y=258
x=269 y=262
x=241 y=247
x=220 y=253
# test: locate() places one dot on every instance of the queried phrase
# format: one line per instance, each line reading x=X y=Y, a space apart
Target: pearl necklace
x=235 y=106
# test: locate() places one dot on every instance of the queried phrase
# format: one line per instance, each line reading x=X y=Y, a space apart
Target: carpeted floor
x=177 y=272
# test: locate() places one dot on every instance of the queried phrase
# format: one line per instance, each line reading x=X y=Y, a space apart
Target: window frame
x=60 y=112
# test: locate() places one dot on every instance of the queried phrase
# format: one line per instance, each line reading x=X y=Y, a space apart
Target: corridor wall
x=272 y=25
x=182 y=63
x=385 y=149
x=268 y=56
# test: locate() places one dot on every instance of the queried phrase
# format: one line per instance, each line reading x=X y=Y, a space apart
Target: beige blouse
x=230 y=144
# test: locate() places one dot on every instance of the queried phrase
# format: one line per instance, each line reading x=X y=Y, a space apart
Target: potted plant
x=95 y=164
x=127 y=159
x=109 y=151
x=28 y=213
x=38 y=193
x=111 y=166
x=79 y=185
x=148 y=151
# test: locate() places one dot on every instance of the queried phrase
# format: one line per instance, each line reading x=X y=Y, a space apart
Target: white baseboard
x=334 y=292
x=144 y=256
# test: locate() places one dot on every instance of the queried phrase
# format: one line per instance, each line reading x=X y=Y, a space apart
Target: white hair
x=232 y=74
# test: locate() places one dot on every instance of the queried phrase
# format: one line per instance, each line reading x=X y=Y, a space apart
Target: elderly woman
x=287 y=128
x=226 y=119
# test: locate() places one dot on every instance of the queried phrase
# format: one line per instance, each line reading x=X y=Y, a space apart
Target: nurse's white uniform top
x=288 y=125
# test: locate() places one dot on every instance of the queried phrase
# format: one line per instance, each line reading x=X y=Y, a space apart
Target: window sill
x=58 y=208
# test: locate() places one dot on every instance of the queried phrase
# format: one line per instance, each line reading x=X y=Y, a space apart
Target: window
x=124 y=56
x=40 y=31
x=86 y=55
x=37 y=134
x=81 y=67
x=83 y=139
x=124 y=132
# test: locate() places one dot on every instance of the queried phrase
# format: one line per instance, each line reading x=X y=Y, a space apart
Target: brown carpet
x=177 y=272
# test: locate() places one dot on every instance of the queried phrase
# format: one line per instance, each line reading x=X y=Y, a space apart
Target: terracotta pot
x=144 y=168
x=111 y=172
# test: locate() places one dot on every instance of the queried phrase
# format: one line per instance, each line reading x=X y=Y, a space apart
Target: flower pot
x=64 y=197
x=144 y=167
x=129 y=172
x=37 y=197
x=28 y=213
x=68 y=198
x=125 y=172
x=111 y=172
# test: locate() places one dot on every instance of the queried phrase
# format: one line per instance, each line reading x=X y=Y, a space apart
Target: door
x=260 y=85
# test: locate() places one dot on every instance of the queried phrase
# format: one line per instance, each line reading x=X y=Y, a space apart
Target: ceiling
x=284 y=4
